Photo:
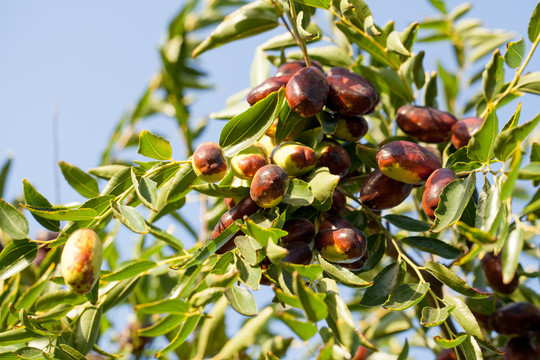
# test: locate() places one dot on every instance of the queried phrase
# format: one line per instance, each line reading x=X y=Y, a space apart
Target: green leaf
x=404 y=352
x=464 y=316
x=481 y=145
x=407 y=223
x=3 y=174
x=107 y=171
x=250 y=275
x=419 y=74
x=130 y=217
x=71 y=352
x=221 y=191
x=49 y=300
x=286 y=122
x=146 y=190
x=530 y=171
x=323 y=4
x=135 y=268
x=383 y=284
x=454 y=282
x=313 y=306
x=16 y=256
x=393 y=42
x=82 y=182
x=304 y=330
x=454 y=199
x=343 y=275
x=367 y=155
x=435 y=316
x=450 y=344
x=508 y=185
x=241 y=131
x=439 y=5
x=450 y=85
x=529 y=83
x=88 y=329
x=430 y=91
x=507 y=141
x=406 y=295
x=327 y=121
x=376 y=250
x=534 y=24
x=163 y=326
x=12 y=222
x=180 y=184
x=26 y=300
x=251 y=19
x=61 y=213
x=34 y=198
x=120 y=182
x=512 y=123
x=311 y=271
x=17 y=336
x=241 y=300
x=299 y=193
x=514 y=53
x=470 y=349
x=433 y=246
x=493 y=76
x=475 y=235
x=248 y=248
x=322 y=185
x=187 y=328
x=154 y=146
x=510 y=254
x=459 y=161
x=164 y=236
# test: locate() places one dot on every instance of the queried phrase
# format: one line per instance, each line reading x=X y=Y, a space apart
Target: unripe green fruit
x=269 y=186
x=209 y=162
x=81 y=260
x=246 y=164
x=342 y=245
x=350 y=128
x=407 y=162
x=296 y=159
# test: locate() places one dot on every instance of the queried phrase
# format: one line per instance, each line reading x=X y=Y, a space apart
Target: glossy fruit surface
x=425 y=123
x=306 y=91
x=209 y=162
x=492 y=268
x=292 y=67
x=358 y=264
x=299 y=253
x=333 y=156
x=267 y=87
x=350 y=128
x=464 y=129
x=380 y=192
x=434 y=187
x=269 y=186
x=246 y=164
x=332 y=221
x=339 y=202
x=519 y=348
x=361 y=353
x=81 y=260
x=406 y=161
x=518 y=319
x=341 y=245
x=349 y=93
x=295 y=158
x=299 y=230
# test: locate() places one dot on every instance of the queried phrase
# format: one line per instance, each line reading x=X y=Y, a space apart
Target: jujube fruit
x=209 y=162
x=246 y=164
x=339 y=202
x=407 y=162
x=519 y=348
x=358 y=264
x=292 y=67
x=269 y=186
x=267 y=87
x=341 y=245
x=492 y=268
x=434 y=187
x=361 y=353
x=334 y=156
x=350 y=128
x=81 y=260
x=299 y=230
x=380 y=192
x=231 y=202
x=350 y=94
x=464 y=129
x=306 y=91
x=295 y=158
x=516 y=319
x=333 y=222
x=299 y=253
x=425 y=123
x=447 y=354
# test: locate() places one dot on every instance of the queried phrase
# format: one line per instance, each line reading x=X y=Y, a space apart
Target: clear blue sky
x=94 y=59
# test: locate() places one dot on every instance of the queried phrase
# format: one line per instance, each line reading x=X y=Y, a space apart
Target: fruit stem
x=300 y=40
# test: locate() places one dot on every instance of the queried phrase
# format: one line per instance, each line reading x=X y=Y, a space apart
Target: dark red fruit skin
x=306 y=91
x=299 y=253
x=269 y=186
x=208 y=158
x=406 y=161
x=249 y=165
x=350 y=96
x=245 y=207
x=334 y=222
x=267 y=87
x=379 y=192
x=339 y=202
x=434 y=187
x=299 y=230
x=519 y=348
x=334 y=156
x=425 y=123
x=492 y=267
x=339 y=71
x=517 y=319
x=464 y=129
x=291 y=68
x=341 y=245
x=231 y=202
x=350 y=128
x=447 y=354
x=358 y=264
x=361 y=353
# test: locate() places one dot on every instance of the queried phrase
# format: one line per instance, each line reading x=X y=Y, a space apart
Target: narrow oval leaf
x=241 y=300
x=71 y=352
x=146 y=190
x=181 y=183
x=187 y=328
x=383 y=284
x=304 y=330
x=464 y=316
x=343 y=275
x=163 y=326
x=88 y=329
x=507 y=141
x=16 y=256
x=394 y=43
x=435 y=316
x=130 y=217
x=454 y=199
x=480 y=147
x=493 y=76
x=450 y=343
x=34 y=198
x=221 y=191
x=17 y=336
x=514 y=53
x=154 y=146
x=136 y=268
x=323 y=4
x=454 y=282
x=57 y=213
x=406 y=295
x=407 y=223
x=120 y=182
x=529 y=83
x=534 y=24
x=12 y=222
x=322 y=185
x=167 y=306
x=433 y=246
x=3 y=174
x=82 y=182
x=510 y=254
x=314 y=307
x=299 y=193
